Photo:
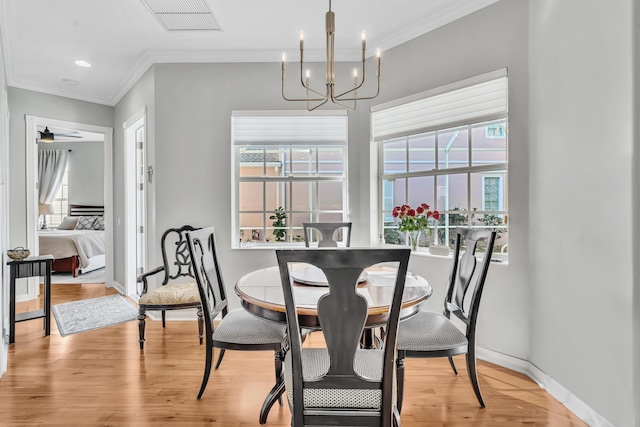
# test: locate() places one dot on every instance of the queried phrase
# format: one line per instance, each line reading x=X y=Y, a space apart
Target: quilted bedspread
x=66 y=243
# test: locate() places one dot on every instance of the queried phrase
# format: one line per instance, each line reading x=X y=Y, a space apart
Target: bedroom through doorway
x=69 y=210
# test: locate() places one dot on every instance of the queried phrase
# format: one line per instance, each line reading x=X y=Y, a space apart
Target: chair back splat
x=329 y=233
x=208 y=276
x=342 y=384
x=175 y=254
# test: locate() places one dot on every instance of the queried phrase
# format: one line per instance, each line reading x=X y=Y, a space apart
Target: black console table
x=30 y=267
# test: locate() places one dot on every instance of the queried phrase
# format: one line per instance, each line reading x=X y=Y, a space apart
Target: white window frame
x=294 y=135
x=420 y=114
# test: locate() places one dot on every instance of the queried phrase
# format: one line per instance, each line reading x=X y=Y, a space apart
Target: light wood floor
x=100 y=378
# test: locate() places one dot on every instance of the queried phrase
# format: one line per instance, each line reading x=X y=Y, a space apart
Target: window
x=289 y=168
x=446 y=148
x=61 y=202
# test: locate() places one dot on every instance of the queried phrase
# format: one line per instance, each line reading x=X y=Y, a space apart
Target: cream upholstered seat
x=429 y=334
x=342 y=384
x=175 y=293
x=181 y=293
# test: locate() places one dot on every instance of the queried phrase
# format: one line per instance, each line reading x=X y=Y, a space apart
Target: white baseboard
x=117 y=286
x=554 y=388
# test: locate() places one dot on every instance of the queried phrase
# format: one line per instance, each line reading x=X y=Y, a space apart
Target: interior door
x=137 y=178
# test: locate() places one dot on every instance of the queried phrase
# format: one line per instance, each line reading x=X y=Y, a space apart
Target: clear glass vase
x=414 y=238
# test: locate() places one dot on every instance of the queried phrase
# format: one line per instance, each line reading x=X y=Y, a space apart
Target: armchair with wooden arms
x=175 y=293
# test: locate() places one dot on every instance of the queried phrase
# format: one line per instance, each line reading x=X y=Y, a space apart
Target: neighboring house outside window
x=446 y=148
x=289 y=168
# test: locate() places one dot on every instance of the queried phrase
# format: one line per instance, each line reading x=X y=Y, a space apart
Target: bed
x=78 y=244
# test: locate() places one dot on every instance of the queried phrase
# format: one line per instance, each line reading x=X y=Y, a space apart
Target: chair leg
x=164 y=320
x=207 y=368
x=400 y=379
x=200 y=325
x=278 y=358
x=220 y=356
x=396 y=418
x=473 y=374
x=453 y=365
x=141 y=324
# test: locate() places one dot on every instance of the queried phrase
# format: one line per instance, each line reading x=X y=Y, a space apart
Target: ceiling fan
x=48 y=136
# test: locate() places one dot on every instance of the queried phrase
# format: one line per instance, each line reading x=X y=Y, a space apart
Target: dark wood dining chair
x=342 y=383
x=176 y=291
x=238 y=329
x=429 y=334
x=328 y=233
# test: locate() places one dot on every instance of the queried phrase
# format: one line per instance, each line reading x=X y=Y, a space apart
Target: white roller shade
x=284 y=129
x=450 y=106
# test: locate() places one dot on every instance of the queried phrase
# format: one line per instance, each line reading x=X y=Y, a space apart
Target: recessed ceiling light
x=82 y=63
x=70 y=82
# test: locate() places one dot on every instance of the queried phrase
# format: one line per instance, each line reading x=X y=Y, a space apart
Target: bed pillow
x=85 y=222
x=68 y=223
x=99 y=223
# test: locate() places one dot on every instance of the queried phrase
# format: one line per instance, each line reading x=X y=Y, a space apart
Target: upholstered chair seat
x=241 y=327
x=430 y=331
x=175 y=293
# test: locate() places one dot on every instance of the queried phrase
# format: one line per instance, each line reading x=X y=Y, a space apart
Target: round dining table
x=261 y=294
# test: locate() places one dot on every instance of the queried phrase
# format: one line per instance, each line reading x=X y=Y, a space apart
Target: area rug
x=89 y=314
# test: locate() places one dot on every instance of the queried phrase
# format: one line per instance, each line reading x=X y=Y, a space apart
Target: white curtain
x=51 y=167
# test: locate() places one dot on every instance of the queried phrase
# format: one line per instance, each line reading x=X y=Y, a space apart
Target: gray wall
x=86 y=170
x=581 y=141
x=25 y=102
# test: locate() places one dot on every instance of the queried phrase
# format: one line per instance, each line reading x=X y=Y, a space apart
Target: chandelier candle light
x=414 y=221
x=313 y=95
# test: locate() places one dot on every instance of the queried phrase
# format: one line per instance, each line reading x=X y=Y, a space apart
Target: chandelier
x=343 y=99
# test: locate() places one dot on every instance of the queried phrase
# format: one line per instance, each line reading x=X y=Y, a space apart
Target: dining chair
x=327 y=231
x=238 y=329
x=176 y=291
x=342 y=383
x=430 y=334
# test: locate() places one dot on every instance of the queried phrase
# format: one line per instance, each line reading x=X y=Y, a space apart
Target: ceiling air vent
x=183 y=15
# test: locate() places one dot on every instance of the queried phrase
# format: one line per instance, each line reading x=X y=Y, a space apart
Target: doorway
x=33 y=124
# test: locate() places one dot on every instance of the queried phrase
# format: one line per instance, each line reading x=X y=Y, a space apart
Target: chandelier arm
x=324 y=98
x=335 y=101
x=317 y=106
x=306 y=85
x=358 y=98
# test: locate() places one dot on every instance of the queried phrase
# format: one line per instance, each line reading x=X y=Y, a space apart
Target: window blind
x=286 y=128
x=482 y=98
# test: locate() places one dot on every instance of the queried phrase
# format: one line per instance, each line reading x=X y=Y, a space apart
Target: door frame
x=130 y=246
x=32 y=191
